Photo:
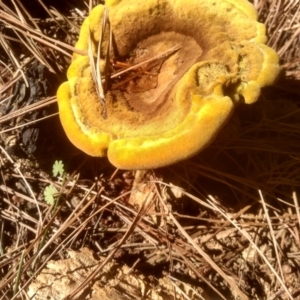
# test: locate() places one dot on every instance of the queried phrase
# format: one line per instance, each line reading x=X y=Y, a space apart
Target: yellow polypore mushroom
x=175 y=73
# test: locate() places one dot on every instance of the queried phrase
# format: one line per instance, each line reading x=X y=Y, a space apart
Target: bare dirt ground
x=222 y=225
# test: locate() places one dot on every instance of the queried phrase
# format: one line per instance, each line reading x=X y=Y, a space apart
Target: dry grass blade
x=103 y=87
x=106 y=22
x=8 y=85
x=28 y=16
x=275 y=244
x=12 y=57
x=23 y=37
x=29 y=123
x=96 y=64
x=99 y=80
x=157 y=57
x=196 y=271
x=248 y=237
x=39 y=37
x=282 y=19
x=30 y=108
x=27 y=41
x=26 y=183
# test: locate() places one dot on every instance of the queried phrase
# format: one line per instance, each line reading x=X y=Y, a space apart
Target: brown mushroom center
x=145 y=98
x=167 y=57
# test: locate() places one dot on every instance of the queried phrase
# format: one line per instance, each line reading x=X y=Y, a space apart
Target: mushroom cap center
x=144 y=98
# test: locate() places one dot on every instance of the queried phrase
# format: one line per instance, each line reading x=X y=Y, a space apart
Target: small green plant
x=49 y=193
x=58 y=168
x=50 y=190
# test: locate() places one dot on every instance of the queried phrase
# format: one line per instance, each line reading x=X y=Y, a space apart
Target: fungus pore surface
x=174 y=73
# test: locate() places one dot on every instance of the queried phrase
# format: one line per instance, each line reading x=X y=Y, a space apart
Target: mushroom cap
x=174 y=104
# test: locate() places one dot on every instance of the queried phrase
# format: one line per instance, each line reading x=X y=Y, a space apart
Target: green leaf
x=58 y=168
x=49 y=193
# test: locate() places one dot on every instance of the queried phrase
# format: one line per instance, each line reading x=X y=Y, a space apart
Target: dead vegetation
x=223 y=225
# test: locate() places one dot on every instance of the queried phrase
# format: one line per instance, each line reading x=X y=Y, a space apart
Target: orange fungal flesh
x=184 y=66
